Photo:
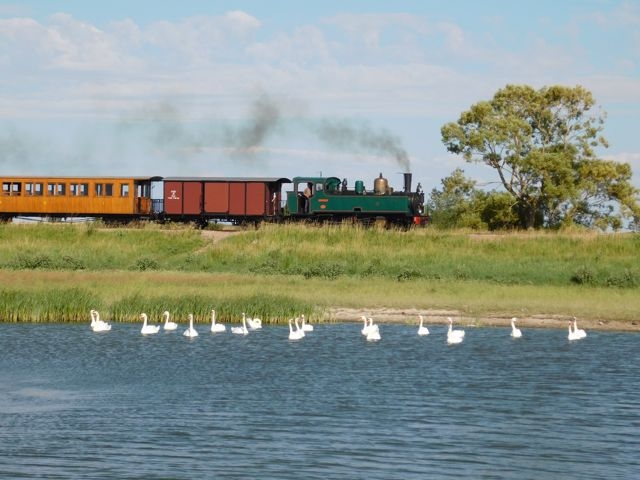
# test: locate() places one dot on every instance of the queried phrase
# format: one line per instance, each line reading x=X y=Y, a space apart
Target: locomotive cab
x=297 y=203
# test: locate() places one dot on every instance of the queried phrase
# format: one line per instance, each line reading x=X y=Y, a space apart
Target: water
x=76 y=404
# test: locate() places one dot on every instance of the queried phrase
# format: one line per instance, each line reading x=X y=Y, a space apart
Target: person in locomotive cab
x=308 y=193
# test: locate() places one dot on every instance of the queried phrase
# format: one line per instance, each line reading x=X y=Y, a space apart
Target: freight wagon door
x=256 y=199
x=216 y=197
x=192 y=203
x=237 y=202
x=173 y=198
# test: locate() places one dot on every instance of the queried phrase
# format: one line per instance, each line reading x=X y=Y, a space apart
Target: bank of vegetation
x=56 y=272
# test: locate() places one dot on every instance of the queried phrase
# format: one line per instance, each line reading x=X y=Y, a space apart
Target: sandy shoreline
x=435 y=317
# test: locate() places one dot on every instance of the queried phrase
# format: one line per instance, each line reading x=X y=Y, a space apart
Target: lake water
x=78 y=404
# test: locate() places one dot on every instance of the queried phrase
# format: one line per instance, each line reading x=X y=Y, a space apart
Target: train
x=203 y=200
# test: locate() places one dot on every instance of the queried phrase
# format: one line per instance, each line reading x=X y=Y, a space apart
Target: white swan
x=190 y=332
x=373 y=334
x=573 y=335
x=168 y=324
x=243 y=329
x=305 y=326
x=254 y=323
x=454 y=336
x=578 y=331
x=98 y=325
x=298 y=328
x=148 y=329
x=422 y=330
x=365 y=329
x=216 y=327
x=515 y=332
x=296 y=334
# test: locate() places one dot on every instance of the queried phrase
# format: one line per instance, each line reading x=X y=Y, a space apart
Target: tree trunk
x=527 y=214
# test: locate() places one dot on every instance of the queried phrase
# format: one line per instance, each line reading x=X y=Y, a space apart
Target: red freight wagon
x=233 y=199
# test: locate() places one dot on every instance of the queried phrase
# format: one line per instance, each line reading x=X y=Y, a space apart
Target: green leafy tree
x=453 y=206
x=461 y=205
x=541 y=144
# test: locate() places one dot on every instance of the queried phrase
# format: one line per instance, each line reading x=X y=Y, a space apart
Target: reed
x=74 y=304
x=65 y=305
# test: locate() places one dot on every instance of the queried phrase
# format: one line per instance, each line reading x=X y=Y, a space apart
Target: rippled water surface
x=74 y=403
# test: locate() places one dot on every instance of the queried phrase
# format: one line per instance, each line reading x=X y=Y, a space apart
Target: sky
x=293 y=88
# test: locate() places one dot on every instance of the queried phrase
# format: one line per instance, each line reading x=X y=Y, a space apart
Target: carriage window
x=61 y=189
x=11 y=188
x=124 y=189
x=104 y=189
x=28 y=188
x=79 y=189
x=38 y=189
x=51 y=188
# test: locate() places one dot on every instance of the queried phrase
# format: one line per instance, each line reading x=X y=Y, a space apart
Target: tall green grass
x=330 y=252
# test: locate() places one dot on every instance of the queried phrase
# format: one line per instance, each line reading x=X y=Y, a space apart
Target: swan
x=294 y=334
x=365 y=329
x=216 y=327
x=254 y=323
x=243 y=329
x=421 y=329
x=298 y=329
x=373 y=334
x=305 y=326
x=190 y=332
x=148 y=329
x=98 y=325
x=578 y=331
x=515 y=332
x=573 y=335
x=93 y=313
x=454 y=336
x=168 y=325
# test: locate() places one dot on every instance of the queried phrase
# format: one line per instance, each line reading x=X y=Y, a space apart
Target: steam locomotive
x=210 y=199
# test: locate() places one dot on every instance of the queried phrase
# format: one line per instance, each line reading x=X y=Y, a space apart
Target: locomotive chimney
x=407 y=182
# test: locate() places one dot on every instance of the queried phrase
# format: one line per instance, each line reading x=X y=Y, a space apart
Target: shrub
x=625 y=280
x=146 y=263
x=583 y=276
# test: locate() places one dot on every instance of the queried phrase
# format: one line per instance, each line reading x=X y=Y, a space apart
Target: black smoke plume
x=348 y=134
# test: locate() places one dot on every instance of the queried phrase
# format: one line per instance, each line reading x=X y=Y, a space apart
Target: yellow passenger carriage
x=62 y=197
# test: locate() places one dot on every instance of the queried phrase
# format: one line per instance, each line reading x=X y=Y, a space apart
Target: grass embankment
x=58 y=272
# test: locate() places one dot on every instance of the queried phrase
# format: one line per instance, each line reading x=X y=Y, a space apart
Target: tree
x=461 y=205
x=453 y=206
x=541 y=144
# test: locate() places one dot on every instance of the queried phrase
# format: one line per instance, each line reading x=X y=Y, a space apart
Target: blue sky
x=287 y=88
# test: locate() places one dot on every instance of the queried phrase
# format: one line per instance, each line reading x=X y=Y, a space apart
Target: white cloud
x=241 y=23
x=615 y=89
